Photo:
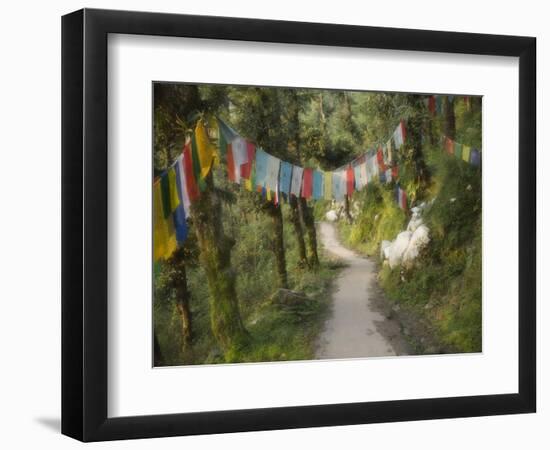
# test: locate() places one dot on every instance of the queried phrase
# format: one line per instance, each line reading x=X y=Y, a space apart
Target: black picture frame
x=84 y=224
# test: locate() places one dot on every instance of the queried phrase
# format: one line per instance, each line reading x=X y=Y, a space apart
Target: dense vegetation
x=218 y=298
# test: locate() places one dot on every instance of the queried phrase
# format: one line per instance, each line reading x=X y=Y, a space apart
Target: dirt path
x=357 y=327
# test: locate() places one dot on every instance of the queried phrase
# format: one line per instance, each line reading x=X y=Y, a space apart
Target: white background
x=30 y=236
x=135 y=389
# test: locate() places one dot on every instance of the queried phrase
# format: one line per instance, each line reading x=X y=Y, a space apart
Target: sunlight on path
x=352 y=329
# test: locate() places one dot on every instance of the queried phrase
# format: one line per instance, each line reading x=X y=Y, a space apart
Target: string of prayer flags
x=296 y=184
x=462 y=151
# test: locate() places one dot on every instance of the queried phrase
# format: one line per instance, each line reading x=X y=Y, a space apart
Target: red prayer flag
x=307 y=183
x=246 y=169
x=190 y=182
x=395 y=172
x=449 y=146
x=350 y=180
x=403 y=131
x=230 y=164
x=380 y=159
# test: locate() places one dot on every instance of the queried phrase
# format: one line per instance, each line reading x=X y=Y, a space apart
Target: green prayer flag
x=165 y=192
x=458 y=150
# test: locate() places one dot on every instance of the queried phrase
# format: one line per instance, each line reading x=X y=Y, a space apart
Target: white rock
x=398 y=248
x=331 y=216
x=419 y=239
x=384 y=249
x=414 y=223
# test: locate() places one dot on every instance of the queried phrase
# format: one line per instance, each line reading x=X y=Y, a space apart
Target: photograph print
x=296 y=224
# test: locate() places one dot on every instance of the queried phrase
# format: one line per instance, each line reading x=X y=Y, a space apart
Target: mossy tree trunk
x=178 y=278
x=278 y=244
x=449 y=121
x=309 y=222
x=298 y=230
x=157 y=354
x=347 y=212
x=215 y=255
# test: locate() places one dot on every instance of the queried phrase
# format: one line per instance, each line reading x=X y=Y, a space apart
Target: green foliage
x=444 y=286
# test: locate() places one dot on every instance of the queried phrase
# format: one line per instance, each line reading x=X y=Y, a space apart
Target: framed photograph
x=273 y=225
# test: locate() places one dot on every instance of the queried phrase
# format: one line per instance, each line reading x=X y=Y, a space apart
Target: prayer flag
x=182 y=186
x=350 y=181
x=438 y=104
x=170 y=199
x=466 y=153
x=230 y=164
x=164 y=239
x=272 y=175
x=225 y=135
x=388 y=175
x=328 y=185
x=246 y=168
x=207 y=154
x=285 y=177
x=475 y=157
x=307 y=183
x=190 y=180
x=261 y=167
x=449 y=146
x=296 y=185
x=380 y=159
x=357 y=176
x=458 y=150
x=364 y=177
x=318 y=181
x=240 y=157
x=339 y=185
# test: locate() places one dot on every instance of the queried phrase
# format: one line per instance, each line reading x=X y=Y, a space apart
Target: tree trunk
x=309 y=223
x=449 y=126
x=179 y=283
x=276 y=215
x=215 y=256
x=299 y=231
x=346 y=209
x=157 y=354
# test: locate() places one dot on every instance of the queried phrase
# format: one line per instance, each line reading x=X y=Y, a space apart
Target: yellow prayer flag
x=268 y=195
x=208 y=155
x=248 y=184
x=174 y=196
x=328 y=185
x=164 y=235
x=466 y=153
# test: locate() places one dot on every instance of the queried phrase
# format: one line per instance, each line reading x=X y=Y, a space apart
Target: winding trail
x=356 y=328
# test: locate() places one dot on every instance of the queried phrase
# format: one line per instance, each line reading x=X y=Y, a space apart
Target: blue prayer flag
x=475 y=157
x=318 y=184
x=285 y=176
x=262 y=159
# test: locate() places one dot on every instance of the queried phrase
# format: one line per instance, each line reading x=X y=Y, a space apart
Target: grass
x=277 y=333
x=443 y=289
